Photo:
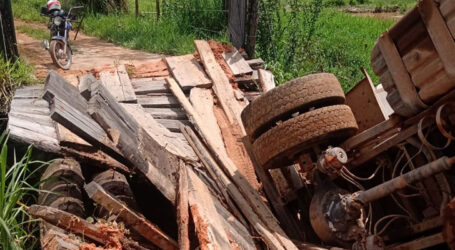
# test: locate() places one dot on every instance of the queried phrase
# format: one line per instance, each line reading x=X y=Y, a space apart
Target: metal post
x=418 y=174
x=8 y=42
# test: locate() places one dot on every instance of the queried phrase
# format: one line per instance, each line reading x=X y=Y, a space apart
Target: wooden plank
x=266 y=79
x=221 y=85
x=35 y=118
x=237 y=64
x=85 y=83
x=167 y=113
x=183 y=214
x=172 y=142
x=254 y=200
x=173 y=125
x=146 y=154
x=144 y=86
x=158 y=101
x=233 y=190
x=131 y=219
x=120 y=90
x=83 y=126
x=29 y=92
x=202 y=101
x=57 y=86
x=75 y=224
x=31 y=103
x=188 y=72
x=128 y=93
x=35 y=126
x=39 y=141
x=257 y=63
x=207 y=221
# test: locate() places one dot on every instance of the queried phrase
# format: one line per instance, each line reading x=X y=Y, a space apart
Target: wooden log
x=131 y=219
x=188 y=72
x=266 y=79
x=257 y=63
x=236 y=63
x=233 y=191
x=221 y=85
x=183 y=209
x=207 y=221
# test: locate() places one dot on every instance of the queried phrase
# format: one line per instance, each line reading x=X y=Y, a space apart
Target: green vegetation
x=16 y=229
x=36 y=33
x=12 y=76
x=295 y=37
x=377 y=5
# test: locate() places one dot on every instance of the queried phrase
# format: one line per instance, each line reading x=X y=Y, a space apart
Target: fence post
x=136 y=3
x=158 y=11
x=8 y=42
x=253 y=19
x=236 y=22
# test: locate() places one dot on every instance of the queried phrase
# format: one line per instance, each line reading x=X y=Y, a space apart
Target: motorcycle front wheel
x=58 y=55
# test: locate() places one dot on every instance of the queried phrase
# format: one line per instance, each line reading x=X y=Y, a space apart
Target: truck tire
x=298 y=95
x=279 y=145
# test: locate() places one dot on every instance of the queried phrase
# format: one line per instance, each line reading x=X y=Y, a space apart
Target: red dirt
x=236 y=151
x=218 y=49
x=157 y=68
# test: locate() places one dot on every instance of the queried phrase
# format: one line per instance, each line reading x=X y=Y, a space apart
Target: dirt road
x=88 y=53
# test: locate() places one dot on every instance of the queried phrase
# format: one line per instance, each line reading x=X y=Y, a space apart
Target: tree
x=7 y=33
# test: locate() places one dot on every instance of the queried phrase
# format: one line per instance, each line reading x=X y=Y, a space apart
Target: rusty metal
x=332 y=161
x=386 y=188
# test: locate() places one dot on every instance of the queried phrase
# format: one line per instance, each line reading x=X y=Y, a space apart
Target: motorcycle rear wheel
x=56 y=50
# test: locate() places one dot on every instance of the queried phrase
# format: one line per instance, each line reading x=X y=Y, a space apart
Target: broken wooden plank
x=85 y=83
x=237 y=63
x=257 y=63
x=172 y=142
x=207 y=221
x=144 y=152
x=266 y=79
x=188 y=72
x=39 y=141
x=221 y=85
x=131 y=219
x=29 y=92
x=120 y=90
x=83 y=126
x=252 y=197
x=233 y=190
x=57 y=86
x=183 y=214
x=158 y=101
x=167 y=113
x=173 y=125
x=144 y=86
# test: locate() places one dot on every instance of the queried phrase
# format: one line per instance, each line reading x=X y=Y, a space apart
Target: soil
x=88 y=53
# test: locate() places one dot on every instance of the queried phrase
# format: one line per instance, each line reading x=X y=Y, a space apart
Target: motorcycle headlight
x=58 y=20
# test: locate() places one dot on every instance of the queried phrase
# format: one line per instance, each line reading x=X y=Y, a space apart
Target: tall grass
x=16 y=227
x=12 y=76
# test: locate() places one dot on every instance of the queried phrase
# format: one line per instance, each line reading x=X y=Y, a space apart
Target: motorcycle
x=59 y=26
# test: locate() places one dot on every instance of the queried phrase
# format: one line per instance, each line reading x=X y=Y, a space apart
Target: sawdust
x=218 y=49
x=235 y=148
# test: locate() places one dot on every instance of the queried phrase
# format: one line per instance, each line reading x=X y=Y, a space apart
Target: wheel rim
x=63 y=59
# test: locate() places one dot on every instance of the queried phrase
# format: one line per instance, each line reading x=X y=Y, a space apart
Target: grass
x=12 y=76
x=33 y=32
x=379 y=5
x=16 y=227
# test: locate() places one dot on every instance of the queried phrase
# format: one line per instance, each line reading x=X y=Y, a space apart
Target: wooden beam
x=131 y=219
x=183 y=214
x=188 y=72
x=237 y=63
x=236 y=22
x=249 y=198
x=221 y=85
x=266 y=79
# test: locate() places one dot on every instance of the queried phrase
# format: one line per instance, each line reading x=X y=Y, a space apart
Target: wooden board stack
x=165 y=132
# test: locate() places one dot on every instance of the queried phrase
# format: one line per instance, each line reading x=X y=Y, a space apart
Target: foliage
x=377 y=5
x=12 y=76
x=14 y=191
x=33 y=32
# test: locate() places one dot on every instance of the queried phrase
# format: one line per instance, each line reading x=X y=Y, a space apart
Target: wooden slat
x=237 y=64
x=221 y=85
x=207 y=221
x=29 y=92
x=257 y=63
x=188 y=72
x=40 y=141
x=175 y=143
x=167 y=113
x=266 y=79
x=183 y=214
x=158 y=101
x=85 y=83
x=128 y=93
x=131 y=219
x=57 y=86
x=120 y=89
x=173 y=125
x=252 y=197
x=144 y=86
